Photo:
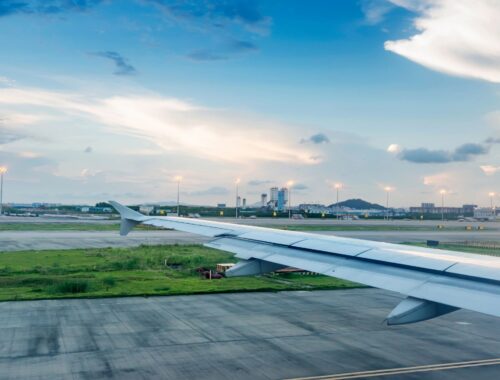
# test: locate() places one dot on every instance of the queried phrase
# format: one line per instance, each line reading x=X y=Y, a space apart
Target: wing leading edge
x=436 y=282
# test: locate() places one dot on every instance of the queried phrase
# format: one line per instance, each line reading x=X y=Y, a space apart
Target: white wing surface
x=436 y=282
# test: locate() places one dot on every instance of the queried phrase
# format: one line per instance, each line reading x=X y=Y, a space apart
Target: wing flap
x=408 y=257
x=186 y=226
x=461 y=293
x=322 y=245
x=475 y=270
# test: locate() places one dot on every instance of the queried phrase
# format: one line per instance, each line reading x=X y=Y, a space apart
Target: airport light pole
x=3 y=170
x=442 y=192
x=387 y=189
x=338 y=186
x=237 y=182
x=289 y=185
x=178 y=179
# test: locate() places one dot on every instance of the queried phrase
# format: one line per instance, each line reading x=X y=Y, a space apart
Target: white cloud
x=375 y=10
x=4 y=81
x=439 y=179
x=171 y=124
x=493 y=118
x=457 y=37
x=394 y=148
x=28 y=154
x=489 y=169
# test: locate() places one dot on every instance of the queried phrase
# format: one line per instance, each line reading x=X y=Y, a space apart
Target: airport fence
x=494 y=246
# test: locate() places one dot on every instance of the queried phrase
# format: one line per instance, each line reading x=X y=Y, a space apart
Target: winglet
x=130 y=218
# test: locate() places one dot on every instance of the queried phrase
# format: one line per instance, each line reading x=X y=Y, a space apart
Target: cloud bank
x=123 y=67
x=465 y=152
x=318 y=138
x=47 y=7
x=215 y=13
x=171 y=124
x=457 y=37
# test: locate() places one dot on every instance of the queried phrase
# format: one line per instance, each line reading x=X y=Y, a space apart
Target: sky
x=108 y=99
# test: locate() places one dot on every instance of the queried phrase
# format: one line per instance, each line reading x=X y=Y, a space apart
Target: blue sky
x=112 y=99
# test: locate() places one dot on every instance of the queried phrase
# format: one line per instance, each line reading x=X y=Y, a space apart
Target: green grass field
x=464 y=248
x=134 y=271
x=64 y=226
x=75 y=226
x=352 y=227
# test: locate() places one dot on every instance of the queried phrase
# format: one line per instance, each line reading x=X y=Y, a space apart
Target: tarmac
x=242 y=336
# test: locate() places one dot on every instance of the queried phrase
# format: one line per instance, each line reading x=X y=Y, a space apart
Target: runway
x=40 y=240
x=240 y=336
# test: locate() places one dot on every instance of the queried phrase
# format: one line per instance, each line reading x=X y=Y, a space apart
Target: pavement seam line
x=401 y=370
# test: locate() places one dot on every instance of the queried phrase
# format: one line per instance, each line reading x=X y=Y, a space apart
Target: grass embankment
x=134 y=271
x=464 y=248
x=65 y=226
x=352 y=227
x=76 y=226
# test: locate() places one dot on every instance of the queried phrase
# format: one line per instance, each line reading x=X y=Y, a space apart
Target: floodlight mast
x=289 y=184
x=387 y=189
x=237 y=183
x=3 y=170
x=178 y=179
x=442 y=192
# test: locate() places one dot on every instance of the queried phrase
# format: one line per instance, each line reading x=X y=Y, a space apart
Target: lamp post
x=338 y=186
x=491 y=194
x=178 y=179
x=237 y=182
x=3 y=170
x=442 y=192
x=387 y=189
x=289 y=185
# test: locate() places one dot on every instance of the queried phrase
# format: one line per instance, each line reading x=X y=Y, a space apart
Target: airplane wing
x=436 y=282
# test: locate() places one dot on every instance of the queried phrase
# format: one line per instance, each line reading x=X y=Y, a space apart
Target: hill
x=359 y=204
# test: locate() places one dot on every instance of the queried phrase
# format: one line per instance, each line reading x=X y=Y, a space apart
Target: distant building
x=244 y=203
x=273 y=195
x=221 y=205
x=430 y=208
x=315 y=208
x=485 y=213
x=146 y=209
x=282 y=199
x=263 y=200
x=469 y=209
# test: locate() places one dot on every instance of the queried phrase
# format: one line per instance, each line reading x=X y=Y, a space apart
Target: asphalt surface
x=39 y=240
x=238 y=336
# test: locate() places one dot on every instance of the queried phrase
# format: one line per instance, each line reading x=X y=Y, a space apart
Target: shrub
x=126 y=264
x=109 y=281
x=72 y=286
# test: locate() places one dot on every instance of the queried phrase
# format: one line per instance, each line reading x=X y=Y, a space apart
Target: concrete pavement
x=237 y=336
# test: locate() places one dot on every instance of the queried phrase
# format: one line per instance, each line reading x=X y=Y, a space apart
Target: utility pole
x=337 y=187
x=387 y=191
x=178 y=179
x=3 y=170
x=289 y=186
x=442 y=192
x=237 y=196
